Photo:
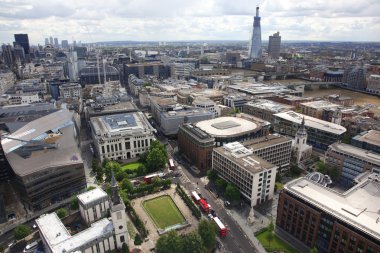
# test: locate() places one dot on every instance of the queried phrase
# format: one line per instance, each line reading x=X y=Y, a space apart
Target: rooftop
x=120 y=107
x=91 y=196
x=320 y=104
x=227 y=126
x=60 y=240
x=56 y=128
x=270 y=105
x=371 y=136
x=198 y=133
x=119 y=123
x=244 y=157
x=359 y=206
x=356 y=152
x=266 y=141
x=312 y=122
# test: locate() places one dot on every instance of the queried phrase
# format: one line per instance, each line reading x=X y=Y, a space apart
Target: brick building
x=319 y=217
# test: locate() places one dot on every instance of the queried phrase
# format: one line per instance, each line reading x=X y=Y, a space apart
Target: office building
x=374 y=84
x=207 y=104
x=23 y=41
x=135 y=84
x=255 y=49
x=169 y=115
x=157 y=69
x=236 y=101
x=90 y=75
x=273 y=148
x=7 y=80
x=265 y=109
x=65 y=44
x=56 y=43
x=317 y=216
x=317 y=108
x=321 y=133
x=350 y=161
x=19 y=53
x=196 y=146
x=339 y=99
x=93 y=205
x=51 y=41
x=70 y=90
x=46 y=41
x=354 y=77
x=45 y=158
x=254 y=177
x=232 y=129
x=121 y=136
x=274 y=45
x=8 y=55
x=369 y=140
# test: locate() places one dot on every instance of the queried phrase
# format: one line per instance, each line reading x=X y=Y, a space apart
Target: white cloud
x=96 y=20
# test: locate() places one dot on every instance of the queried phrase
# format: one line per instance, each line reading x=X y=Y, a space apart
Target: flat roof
x=270 y=105
x=60 y=240
x=242 y=156
x=312 y=122
x=356 y=152
x=227 y=126
x=371 y=136
x=133 y=121
x=320 y=104
x=359 y=206
x=92 y=195
x=266 y=141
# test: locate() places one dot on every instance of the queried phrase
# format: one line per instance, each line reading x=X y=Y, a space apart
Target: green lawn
x=275 y=244
x=131 y=166
x=163 y=211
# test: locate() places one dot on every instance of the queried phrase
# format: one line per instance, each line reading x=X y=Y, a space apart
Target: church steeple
x=115 y=190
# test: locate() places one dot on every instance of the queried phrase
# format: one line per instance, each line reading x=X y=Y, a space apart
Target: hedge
x=195 y=210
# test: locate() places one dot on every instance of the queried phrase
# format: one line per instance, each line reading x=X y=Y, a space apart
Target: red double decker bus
x=148 y=178
x=195 y=197
x=222 y=229
x=205 y=207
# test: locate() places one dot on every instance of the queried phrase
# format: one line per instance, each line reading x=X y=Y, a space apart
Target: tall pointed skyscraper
x=255 y=52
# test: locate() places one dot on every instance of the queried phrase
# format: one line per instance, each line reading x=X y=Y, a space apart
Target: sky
x=171 y=20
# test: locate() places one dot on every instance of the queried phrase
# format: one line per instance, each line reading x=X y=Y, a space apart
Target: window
x=118 y=215
x=122 y=238
x=120 y=227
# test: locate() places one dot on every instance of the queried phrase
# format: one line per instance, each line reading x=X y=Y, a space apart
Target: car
x=31 y=247
x=11 y=243
x=34 y=226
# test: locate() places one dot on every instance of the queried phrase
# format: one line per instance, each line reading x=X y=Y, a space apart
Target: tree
x=126 y=185
x=155 y=160
x=314 y=250
x=141 y=170
x=232 y=193
x=62 y=212
x=170 y=243
x=138 y=240
x=221 y=184
x=321 y=167
x=21 y=231
x=125 y=248
x=90 y=188
x=108 y=167
x=74 y=203
x=334 y=173
x=212 y=175
x=192 y=243
x=207 y=231
x=270 y=232
x=95 y=165
x=204 y=60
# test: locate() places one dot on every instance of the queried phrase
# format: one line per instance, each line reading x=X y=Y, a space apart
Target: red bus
x=204 y=206
x=148 y=178
x=171 y=164
x=222 y=229
x=195 y=197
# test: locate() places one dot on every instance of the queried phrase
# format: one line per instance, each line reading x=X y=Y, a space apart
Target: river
x=359 y=98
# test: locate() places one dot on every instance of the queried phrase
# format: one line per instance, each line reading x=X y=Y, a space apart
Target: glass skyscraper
x=255 y=50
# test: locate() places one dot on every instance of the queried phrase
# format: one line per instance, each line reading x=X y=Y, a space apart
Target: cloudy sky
x=167 y=20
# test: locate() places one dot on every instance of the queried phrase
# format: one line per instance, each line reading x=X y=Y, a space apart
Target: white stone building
x=93 y=205
x=70 y=90
x=121 y=136
x=254 y=177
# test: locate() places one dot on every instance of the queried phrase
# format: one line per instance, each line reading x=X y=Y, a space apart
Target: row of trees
x=230 y=191
x=326 y=170
x=202 y=240
x=194 y=209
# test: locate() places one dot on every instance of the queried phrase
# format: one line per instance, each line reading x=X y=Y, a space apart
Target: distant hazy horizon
x=172 y=20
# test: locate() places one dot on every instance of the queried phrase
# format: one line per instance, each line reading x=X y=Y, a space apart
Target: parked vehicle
x=31 y=247
x=222 y=229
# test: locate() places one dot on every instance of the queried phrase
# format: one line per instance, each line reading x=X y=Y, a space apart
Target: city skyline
x=169 y=20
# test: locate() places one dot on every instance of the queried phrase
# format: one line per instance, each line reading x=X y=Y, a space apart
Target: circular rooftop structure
x=228 y=127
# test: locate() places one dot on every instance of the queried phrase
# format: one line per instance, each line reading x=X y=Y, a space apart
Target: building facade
x=23 y=41
x=321 y=133
x=316 y=216
x=70 y=90
x=369 y=140
x=254 y=177
x=374 y=84
x=265 y=109
x=316 y=109
x=196 y=145
x=351 y=161
x=121 y=136
x=93 y=205
x=274 y=45
x=255 y=44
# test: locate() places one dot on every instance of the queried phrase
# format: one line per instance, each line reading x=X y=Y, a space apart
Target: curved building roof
x=227 y=126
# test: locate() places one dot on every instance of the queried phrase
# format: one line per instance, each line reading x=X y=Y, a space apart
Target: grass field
x=163 y=211
x=275 y=244
x=131 y=166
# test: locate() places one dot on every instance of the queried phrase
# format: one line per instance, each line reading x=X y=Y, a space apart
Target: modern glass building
x=23 y=40
x=255 y=49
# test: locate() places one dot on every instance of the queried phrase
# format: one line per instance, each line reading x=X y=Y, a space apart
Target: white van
x=31 y=247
